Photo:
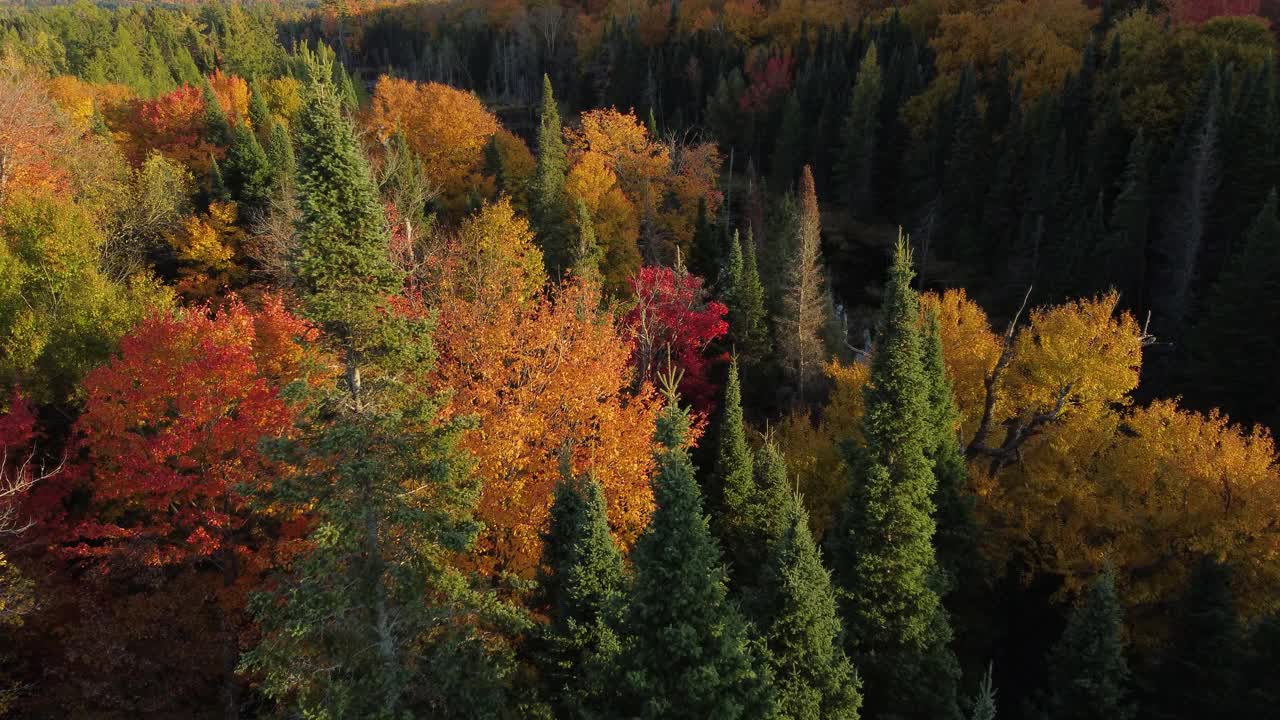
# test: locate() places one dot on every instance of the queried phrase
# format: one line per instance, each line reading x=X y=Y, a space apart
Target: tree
x=582 y=587
x=686 y=651
x=803 y=307
x=734 y=483
x=744 y=296
x=1087 y=668
x=1125 y=257
x=447 y=128
x=615 y=223
x=372 y=620
x=60 y=315
x=1232 y=329
x=586 y=257
x=858 y=135
x=550 y=213
x=802 y=629
x=884 y=540
x=673 y=322
x=247 y=171
x=984 y=704
x=33 y=137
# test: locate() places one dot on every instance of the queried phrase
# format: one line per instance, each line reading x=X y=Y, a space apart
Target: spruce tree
x=984 y=704
x=803 y=312
x=247 y=173
x=582 y=589
x=1088 y=673
x=789 y=147
x=705 y=259
x=748 y=327
x=280 y=159
x=1125 y=259
x=859 y=134
x=550 y=211
x=882 y=545
x=734 y=487
x=587 y=254
x=955 y=539
x=686 y=653
x=217 y=182
x=369 y=620
x=259 y=113
x=812 y=674
x=1238 y=327
x=217 y=128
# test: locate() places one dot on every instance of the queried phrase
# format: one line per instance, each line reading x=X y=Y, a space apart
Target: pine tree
x=744 y=296
x=582 y=588
x=882 y=545
x=859 y=134
x=217 y=183
x=550 y=211
x=705 y=259
x=280 y=159
x=259 y=113
x=1087 y=668
x=789 y=147
x=813 y=676
x=955 y=540
x=803 y=305
x=217 y=128
x=734 y=481
x=248 y=174
x=686 y=653
x=984 y=704
x=1125 y=258
x=587 y=254
x=1237 y=327
x=369 y=622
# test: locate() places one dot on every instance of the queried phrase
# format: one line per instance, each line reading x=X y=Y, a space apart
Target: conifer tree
x=217 y=183
x=773 y=496
x=813 y=676
x=217 y=128
x=734 y=487
x=705 y=259
x=280 y=158
x=955 y=539
x=1125 y=258
x=744 y=296
x=1088 y=671
x=1237 y=327
x=803 y=305
x=248 y=173
x=1199 y=674
x=550 y=212
x=789 y=147
x=259 y=113
x=587 y=253
x=859 y=134
x=582 y=588
x=984 y=704
x=882 y=545
x=368 y=623
x=686 y=653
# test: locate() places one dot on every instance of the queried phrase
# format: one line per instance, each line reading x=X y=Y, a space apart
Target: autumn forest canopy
x=614 y=359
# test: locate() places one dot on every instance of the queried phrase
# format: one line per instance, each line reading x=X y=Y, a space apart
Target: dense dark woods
x=793 y=359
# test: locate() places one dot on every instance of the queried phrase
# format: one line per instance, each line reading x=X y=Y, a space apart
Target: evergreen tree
x=280 y=158
x=259 y=113
x=789 y=148
x=984 y=704
x=734 y=480
x=859 y=134
x=803 y=305
x=705 y=259
x=217 y=183
x=373 y=620
x=955 y=540
x=882 y=545
x=549 y=204
x=1125 y=259
x=1199 y=674
x=217 y=128
x=814 y=678
x=1088 y=673
x=248 y=173
x=744 y=295
x=587 y=254
x=686 y=653
x=1237 y=327
x=582 y=588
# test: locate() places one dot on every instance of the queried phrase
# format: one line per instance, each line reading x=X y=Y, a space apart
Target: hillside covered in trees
x=613 y=359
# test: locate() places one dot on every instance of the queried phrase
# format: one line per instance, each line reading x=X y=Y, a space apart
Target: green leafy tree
x=686 y=653
x=583 y=587
x=373 y=620
x=813 y=676
x=1087 y=670
x=883 y=542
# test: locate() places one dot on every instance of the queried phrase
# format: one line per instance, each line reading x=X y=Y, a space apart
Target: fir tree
x=280 y=159
x=803 y=305
x=859 y=134
x=955 y=539
x=259 y=113
x=1125 y=258
x=1237 y=327
x=813 y=676
x=587 y=254
x=550 y=213
x=686 y=652
x=1088 y=671
x=734 y=480
x=984 y=704
x=368 y=623
x=217 y=182
x=706 y=259
x=582 y=588
x=744 y=295
x=217 y=128
x=883 y=542
x=789 y=148
x=248 y=174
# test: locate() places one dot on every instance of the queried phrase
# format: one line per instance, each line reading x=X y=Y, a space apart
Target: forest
x=622 y=359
